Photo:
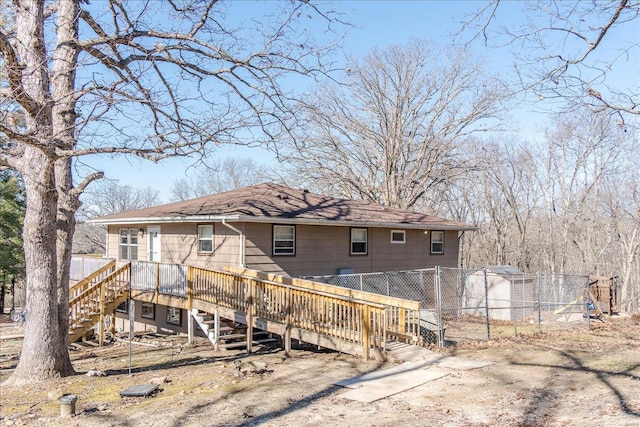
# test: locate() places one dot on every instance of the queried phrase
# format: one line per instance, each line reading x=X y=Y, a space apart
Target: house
x=510 y=293
x=277 y=229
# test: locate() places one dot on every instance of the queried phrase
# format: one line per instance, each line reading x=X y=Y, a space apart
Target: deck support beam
x=190 y=327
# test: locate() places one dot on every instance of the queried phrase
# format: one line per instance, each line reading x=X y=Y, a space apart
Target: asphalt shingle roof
x=273 y=201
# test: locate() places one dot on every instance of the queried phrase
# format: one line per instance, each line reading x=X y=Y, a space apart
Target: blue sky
x=375 y=24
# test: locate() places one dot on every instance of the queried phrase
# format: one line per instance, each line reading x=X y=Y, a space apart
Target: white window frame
x=172 y=314
x=359 y=240
x=402 y=233
x=201 y=239
x=434 y=241
x=284 y=250
x=148 y=305
x=131 y=235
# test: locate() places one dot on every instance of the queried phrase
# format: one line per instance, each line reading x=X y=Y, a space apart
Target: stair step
x=233 y=336
x=240 y=344
x=230 y=345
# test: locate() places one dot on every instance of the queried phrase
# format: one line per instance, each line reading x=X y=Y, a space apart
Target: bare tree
x=215 y=176
x=570 y=50
x=150 y=79
x=392 y=132
x=106 y=198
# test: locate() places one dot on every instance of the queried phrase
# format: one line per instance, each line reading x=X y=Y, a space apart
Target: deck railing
x=84 y=265
x=92 y=279
x=166 y=279
x=356 y=317
x=89 y=302
x=334 y=316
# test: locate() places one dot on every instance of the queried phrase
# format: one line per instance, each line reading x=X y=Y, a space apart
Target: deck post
x=250 y=292
x=102 y=309
x=157 y=290
x=190 y=327
x=287 y=325
x=216 y=329
x=189 y=287
x=366 y=333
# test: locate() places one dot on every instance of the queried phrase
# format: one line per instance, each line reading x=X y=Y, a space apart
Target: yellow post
x=366 y=333
x=249 y=285
x=102 y=309
x=287 y=327
x=402 y=318
x=189 y=287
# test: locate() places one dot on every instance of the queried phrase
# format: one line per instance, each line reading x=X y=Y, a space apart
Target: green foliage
x=12 y=207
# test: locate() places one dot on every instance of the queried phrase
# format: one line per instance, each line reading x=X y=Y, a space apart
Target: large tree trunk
x=67 y=207
x=44 y=351
x=63 y=119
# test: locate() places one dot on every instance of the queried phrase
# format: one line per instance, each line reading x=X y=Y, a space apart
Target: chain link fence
x=482 y=303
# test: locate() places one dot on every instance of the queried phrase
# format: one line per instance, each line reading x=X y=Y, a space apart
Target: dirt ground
x=567 y=378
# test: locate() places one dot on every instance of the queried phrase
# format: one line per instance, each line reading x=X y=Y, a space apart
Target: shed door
x=153 y=243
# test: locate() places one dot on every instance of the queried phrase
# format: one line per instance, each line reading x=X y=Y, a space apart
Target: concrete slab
x=385 y=384
x=370 y=377
x=414 y=353
x=420 y=366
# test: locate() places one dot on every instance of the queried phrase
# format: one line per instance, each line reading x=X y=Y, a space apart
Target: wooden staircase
x=229 y=334
x=94 y=297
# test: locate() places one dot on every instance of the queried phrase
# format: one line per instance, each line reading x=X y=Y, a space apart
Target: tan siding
x=323 y=250
x=319 y=249
x=179 y=246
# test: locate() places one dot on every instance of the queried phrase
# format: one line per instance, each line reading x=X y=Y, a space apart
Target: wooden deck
x=345 y=320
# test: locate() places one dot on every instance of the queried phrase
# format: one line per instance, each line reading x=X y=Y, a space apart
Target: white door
x=153 y=243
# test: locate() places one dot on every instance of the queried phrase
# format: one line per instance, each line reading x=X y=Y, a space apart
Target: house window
x=148 y=310
x=358 y=241
x=437 y=242
x=128 y=247
x=284 y=240
x=205 y=239
x=122 y=307
x=174 y=316
x=398 y=236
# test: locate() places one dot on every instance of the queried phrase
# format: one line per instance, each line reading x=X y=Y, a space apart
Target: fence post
x=512 y=303
x=587 y=294
x=539 y=287
x=486 y=303
x=438 y=284
x=423 y=291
